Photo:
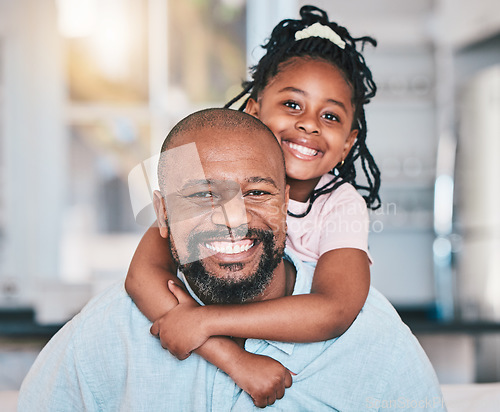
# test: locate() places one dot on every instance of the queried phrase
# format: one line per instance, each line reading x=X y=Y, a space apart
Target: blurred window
x=113 y=103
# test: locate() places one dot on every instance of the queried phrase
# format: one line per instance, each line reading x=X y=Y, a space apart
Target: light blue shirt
x=105 y=359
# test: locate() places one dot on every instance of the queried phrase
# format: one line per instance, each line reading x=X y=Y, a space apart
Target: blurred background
x=89 y=89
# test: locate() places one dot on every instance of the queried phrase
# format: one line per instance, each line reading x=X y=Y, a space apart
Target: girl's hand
x=262 y=377
x=180 y=329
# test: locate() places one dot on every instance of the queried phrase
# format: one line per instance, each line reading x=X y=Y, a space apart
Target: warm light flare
x=77 y=18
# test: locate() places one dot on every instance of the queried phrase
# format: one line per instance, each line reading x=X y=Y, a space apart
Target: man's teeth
x=229 y=248
x=302 y=149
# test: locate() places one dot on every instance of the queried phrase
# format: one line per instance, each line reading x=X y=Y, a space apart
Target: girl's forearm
x=339 y=290
x=150 y=293
x=151 y=268
x=299 y=318
x=221 y=352
x=262 y=377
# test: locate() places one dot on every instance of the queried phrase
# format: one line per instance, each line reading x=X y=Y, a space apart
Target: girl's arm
x=262 y=377
x=340 y=287
x=152 y=267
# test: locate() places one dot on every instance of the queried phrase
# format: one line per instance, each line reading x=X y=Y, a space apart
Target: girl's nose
x=308 y=123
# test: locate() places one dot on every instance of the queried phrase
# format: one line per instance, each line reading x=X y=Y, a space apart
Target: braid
x=281 y=47
x=247 y=86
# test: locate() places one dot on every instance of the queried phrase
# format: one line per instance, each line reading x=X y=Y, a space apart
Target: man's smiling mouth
x=230 y=248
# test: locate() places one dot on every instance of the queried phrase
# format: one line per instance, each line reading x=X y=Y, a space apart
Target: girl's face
x=308 y=107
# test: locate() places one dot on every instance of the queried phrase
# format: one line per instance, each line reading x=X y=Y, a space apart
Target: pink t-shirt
x=337 y=220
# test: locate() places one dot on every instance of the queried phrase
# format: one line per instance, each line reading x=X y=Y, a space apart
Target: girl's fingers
x=181 y=295
x=155 y=329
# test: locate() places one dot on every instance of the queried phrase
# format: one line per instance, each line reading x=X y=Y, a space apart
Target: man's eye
x=256 y=193
x=292 y=105
x=201 y=195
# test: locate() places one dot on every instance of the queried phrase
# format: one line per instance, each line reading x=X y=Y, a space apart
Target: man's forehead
x=181 y=162
x=194 y=164
x=230 y=143
x=207 y=138
x=227 y=183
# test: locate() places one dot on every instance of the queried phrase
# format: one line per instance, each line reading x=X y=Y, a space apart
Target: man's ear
x=161 y=213
x=252 y=108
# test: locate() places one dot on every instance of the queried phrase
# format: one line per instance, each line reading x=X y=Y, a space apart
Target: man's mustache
x=228 y=235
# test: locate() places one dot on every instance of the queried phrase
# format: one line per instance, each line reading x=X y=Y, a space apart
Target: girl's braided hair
x=281 y=47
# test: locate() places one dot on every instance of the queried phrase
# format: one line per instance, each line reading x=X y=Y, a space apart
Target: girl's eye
x=292 y=105
x=331 y=117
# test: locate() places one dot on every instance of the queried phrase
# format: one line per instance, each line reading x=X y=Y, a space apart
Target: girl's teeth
x=302 y=149
x=229 y=248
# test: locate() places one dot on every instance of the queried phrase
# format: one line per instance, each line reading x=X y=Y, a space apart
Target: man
x=105 y=358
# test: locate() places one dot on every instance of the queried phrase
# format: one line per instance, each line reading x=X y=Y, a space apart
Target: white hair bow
x=319 y=30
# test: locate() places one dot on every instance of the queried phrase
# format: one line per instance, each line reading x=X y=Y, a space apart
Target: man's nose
x=232 y=213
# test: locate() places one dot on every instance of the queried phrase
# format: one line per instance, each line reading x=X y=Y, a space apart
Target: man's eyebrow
x=196 y=182
x=213 y=182
x=303 y=92
x=260 y=179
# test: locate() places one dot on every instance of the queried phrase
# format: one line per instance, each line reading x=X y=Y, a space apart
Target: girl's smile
x=308 y=107
x=302 y=150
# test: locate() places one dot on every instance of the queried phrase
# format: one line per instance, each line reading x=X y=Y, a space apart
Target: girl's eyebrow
x=300 y=91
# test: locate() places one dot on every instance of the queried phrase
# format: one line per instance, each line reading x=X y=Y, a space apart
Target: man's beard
x=220 y=290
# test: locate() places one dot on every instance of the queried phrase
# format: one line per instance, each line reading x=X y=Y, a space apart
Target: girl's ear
x=252 y=108
x=349 y=142
x=161 y=213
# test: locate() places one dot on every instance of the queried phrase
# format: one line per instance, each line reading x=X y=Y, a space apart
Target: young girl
x=309 y=89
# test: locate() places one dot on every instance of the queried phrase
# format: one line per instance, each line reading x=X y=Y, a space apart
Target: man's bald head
x=237 y=128
x=217 y=118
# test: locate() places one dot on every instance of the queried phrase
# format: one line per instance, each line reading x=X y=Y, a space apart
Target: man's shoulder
x=109 y=309
x=111 y=325
x=380 y=327
x=393 y=350
x=112 y=297
x=380 y=317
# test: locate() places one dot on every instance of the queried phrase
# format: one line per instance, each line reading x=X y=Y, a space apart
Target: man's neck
x=282 y=282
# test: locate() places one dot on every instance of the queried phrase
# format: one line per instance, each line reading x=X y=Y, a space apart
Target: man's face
x=226 y=208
